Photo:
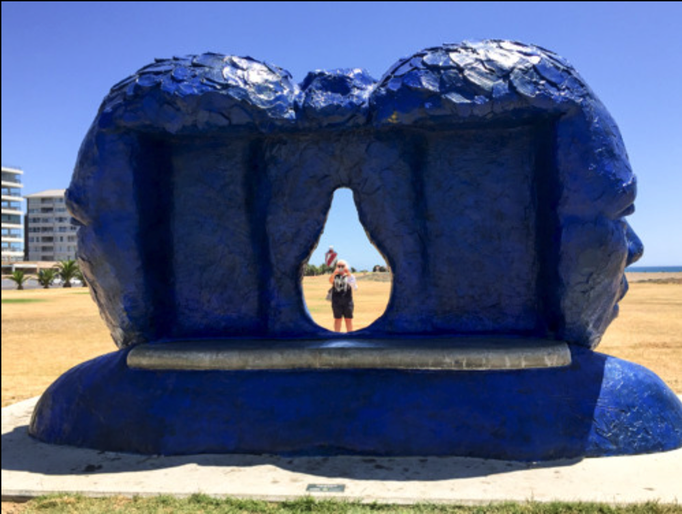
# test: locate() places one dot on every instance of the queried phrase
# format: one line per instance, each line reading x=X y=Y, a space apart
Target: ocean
x=654 y=269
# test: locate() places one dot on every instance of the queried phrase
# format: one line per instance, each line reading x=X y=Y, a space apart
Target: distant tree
x=67 y=271
x=46 y=277
x=379 y=269
x=19 y=278
x=310 y=270
x=353 y=270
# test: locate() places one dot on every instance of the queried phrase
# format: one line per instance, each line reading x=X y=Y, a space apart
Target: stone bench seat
x=453 y=353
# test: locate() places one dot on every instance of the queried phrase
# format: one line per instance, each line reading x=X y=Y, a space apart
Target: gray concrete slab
x=31 y=468
x=451 y=353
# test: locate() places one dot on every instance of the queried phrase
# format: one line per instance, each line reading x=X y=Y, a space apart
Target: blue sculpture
x=488 y=174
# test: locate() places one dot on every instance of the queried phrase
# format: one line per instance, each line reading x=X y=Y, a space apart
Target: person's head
x=342 y=265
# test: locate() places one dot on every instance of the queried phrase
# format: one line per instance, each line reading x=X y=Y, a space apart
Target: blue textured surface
x=334 y=98
x=598 y=406
x=489 y=175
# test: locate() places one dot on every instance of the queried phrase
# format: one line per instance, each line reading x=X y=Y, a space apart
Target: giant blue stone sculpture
x=489 y=175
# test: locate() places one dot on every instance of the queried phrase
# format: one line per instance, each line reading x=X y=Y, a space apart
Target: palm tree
x=46 y=277
x=67 y=270
x=79 y=276
x=19 y=277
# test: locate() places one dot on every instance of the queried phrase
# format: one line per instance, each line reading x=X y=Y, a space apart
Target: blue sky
x=60 y=59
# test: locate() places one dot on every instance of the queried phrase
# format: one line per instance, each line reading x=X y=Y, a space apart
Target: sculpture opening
x=344 y=240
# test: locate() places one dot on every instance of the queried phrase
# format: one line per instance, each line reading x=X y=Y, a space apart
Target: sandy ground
x=49 y=331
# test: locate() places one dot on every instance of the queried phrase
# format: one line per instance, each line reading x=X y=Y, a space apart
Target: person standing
x=343 y=284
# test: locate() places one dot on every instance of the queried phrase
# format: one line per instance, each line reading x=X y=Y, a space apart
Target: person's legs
x=348 y=315
x=349 y=324
x=337 y=311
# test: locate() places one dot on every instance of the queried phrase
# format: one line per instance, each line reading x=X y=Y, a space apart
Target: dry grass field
x=46 y=332
x=648 y=330
x=370 y=299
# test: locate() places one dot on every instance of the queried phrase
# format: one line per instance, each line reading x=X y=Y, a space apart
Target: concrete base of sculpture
x=596 y=406
x=434 y=353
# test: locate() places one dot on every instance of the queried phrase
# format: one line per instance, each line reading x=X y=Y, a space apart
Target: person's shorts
x=342 y=310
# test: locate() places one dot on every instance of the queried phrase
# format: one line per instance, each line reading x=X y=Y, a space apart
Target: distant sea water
x=655 y=269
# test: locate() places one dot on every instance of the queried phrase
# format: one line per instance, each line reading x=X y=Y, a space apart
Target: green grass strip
x=207 y=505
x=23 y=300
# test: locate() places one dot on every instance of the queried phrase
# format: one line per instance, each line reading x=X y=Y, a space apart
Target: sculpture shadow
x=22 y=453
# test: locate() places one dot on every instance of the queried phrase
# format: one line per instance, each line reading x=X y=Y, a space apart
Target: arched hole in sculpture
x=344 y=232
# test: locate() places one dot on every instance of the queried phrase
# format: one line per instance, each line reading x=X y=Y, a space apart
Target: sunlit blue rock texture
x=488 y=174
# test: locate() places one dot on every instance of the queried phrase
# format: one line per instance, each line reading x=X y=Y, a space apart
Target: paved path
x=31 y=468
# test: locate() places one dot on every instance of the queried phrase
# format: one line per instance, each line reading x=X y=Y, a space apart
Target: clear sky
x=60 y=59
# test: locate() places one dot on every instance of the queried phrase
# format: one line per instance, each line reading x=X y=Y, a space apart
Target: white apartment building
x=49 y=233
x=12 y=213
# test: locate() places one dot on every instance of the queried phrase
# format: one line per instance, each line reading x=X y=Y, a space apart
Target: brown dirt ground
x=43 y=339
x=12 y=507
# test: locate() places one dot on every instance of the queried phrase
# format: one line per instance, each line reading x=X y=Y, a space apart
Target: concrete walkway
x=31 y=468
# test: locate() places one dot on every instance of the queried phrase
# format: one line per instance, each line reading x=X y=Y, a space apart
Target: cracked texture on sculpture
x=486 y=173
x=490 y=177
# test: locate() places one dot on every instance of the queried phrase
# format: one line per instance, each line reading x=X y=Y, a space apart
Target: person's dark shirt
x=342 y=290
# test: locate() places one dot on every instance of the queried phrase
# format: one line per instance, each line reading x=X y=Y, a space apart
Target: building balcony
x=12 y=239
x=42 y=258
x=10 y=183
x=8 y=196
x=38 y=228
x=10 y=179
x=11 y=253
